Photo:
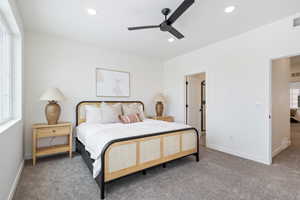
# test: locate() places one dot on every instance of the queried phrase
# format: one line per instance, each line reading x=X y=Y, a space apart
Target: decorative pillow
x=133 y=118
x=92 y=114
x=133 y=108
x=110 y=113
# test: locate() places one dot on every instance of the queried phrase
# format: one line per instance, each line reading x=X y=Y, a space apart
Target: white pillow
x=133 y=108
x=93 y=114
x=110 y=113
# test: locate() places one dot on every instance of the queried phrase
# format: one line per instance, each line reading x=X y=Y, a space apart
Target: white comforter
x=96 y=136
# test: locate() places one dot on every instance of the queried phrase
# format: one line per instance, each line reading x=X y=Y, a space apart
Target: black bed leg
x=77 y=147
x=102 y=191
x=197 y=157
x=102 y=188
x=144 y=172
x=164 y=165
x=77 y=150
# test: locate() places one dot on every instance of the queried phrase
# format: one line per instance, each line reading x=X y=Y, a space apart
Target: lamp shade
x=159 y=98
x=52 y=94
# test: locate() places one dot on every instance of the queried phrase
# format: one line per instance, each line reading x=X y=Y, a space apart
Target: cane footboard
x=126 y=157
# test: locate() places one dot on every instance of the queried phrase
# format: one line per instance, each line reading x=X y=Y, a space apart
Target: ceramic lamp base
x=52 y=112
x=159 y=108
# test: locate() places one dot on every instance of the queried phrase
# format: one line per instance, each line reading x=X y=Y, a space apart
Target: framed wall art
x=111 y=83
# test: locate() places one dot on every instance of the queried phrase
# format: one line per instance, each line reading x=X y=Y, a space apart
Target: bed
x=112 y=151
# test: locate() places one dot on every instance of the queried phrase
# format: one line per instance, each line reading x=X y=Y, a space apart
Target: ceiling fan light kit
x=166 y=25
x=171 y=39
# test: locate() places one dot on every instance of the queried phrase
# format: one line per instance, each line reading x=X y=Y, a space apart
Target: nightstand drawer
x=53 y=131
x=167 y=119
x=163 y=118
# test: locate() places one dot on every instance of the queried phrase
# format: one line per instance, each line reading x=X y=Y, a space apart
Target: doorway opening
x=285 y=109
x=195 y=103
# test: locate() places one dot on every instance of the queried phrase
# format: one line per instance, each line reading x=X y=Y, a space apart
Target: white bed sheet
x=96 y=136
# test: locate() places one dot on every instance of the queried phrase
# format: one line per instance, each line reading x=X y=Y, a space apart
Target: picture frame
x=112 y=83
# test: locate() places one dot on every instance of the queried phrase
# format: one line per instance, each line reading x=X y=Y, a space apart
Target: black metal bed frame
x=80 y=148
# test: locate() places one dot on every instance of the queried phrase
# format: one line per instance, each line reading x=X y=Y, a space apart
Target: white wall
x=295 y=68
x=238 y=87
x=11 y=163
x=281 y=134
x=11 y=134
x=69 y=65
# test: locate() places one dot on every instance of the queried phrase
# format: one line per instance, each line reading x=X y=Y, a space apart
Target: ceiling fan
x=166 y=25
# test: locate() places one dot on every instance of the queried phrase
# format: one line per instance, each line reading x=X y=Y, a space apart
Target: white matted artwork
x=110 y=83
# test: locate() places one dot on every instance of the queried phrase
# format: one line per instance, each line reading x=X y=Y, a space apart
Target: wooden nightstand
x=45 y=131
x=163 y=118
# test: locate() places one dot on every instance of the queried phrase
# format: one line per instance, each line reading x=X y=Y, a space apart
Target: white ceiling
x=204 y=23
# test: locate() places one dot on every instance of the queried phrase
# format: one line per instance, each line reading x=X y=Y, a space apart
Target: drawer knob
x=53 y=131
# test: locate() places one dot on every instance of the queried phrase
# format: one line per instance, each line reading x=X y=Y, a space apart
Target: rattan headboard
x=80 y=112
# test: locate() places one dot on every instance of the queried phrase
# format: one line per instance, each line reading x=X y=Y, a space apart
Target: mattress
x=96 y=136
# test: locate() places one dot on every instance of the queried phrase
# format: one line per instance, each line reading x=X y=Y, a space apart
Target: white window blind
x=5 y=74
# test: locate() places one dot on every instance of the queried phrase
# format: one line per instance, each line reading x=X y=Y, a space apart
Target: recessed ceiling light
x=171 y=40
x=229 y=9
x=91 y=11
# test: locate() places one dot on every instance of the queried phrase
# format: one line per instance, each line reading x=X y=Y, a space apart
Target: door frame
x=186 y=93
x=269 y=107
x=203 y=108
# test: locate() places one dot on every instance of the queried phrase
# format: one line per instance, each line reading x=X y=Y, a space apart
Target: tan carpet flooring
x=217 y=176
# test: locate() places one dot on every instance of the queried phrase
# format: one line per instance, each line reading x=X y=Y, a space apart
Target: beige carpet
x=217 y=176
x=290 y=158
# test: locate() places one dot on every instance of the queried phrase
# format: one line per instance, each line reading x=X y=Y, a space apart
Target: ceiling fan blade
x=180 y=10
x=142 y=27
x=174 y=32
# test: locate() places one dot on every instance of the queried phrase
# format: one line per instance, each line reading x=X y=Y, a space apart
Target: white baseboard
x=238 y=154
x=284 y=144
x=16 y=181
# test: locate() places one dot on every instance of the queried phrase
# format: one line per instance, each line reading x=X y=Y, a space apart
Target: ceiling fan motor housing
x=164 y=26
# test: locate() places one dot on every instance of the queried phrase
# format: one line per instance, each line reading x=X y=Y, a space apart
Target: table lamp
x=159 y=107
x=52 y=110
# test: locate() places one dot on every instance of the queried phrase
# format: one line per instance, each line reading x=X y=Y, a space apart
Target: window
x=294 y=97
x=5 y=73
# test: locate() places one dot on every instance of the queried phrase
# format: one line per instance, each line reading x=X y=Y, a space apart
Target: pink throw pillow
x=133 y=118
